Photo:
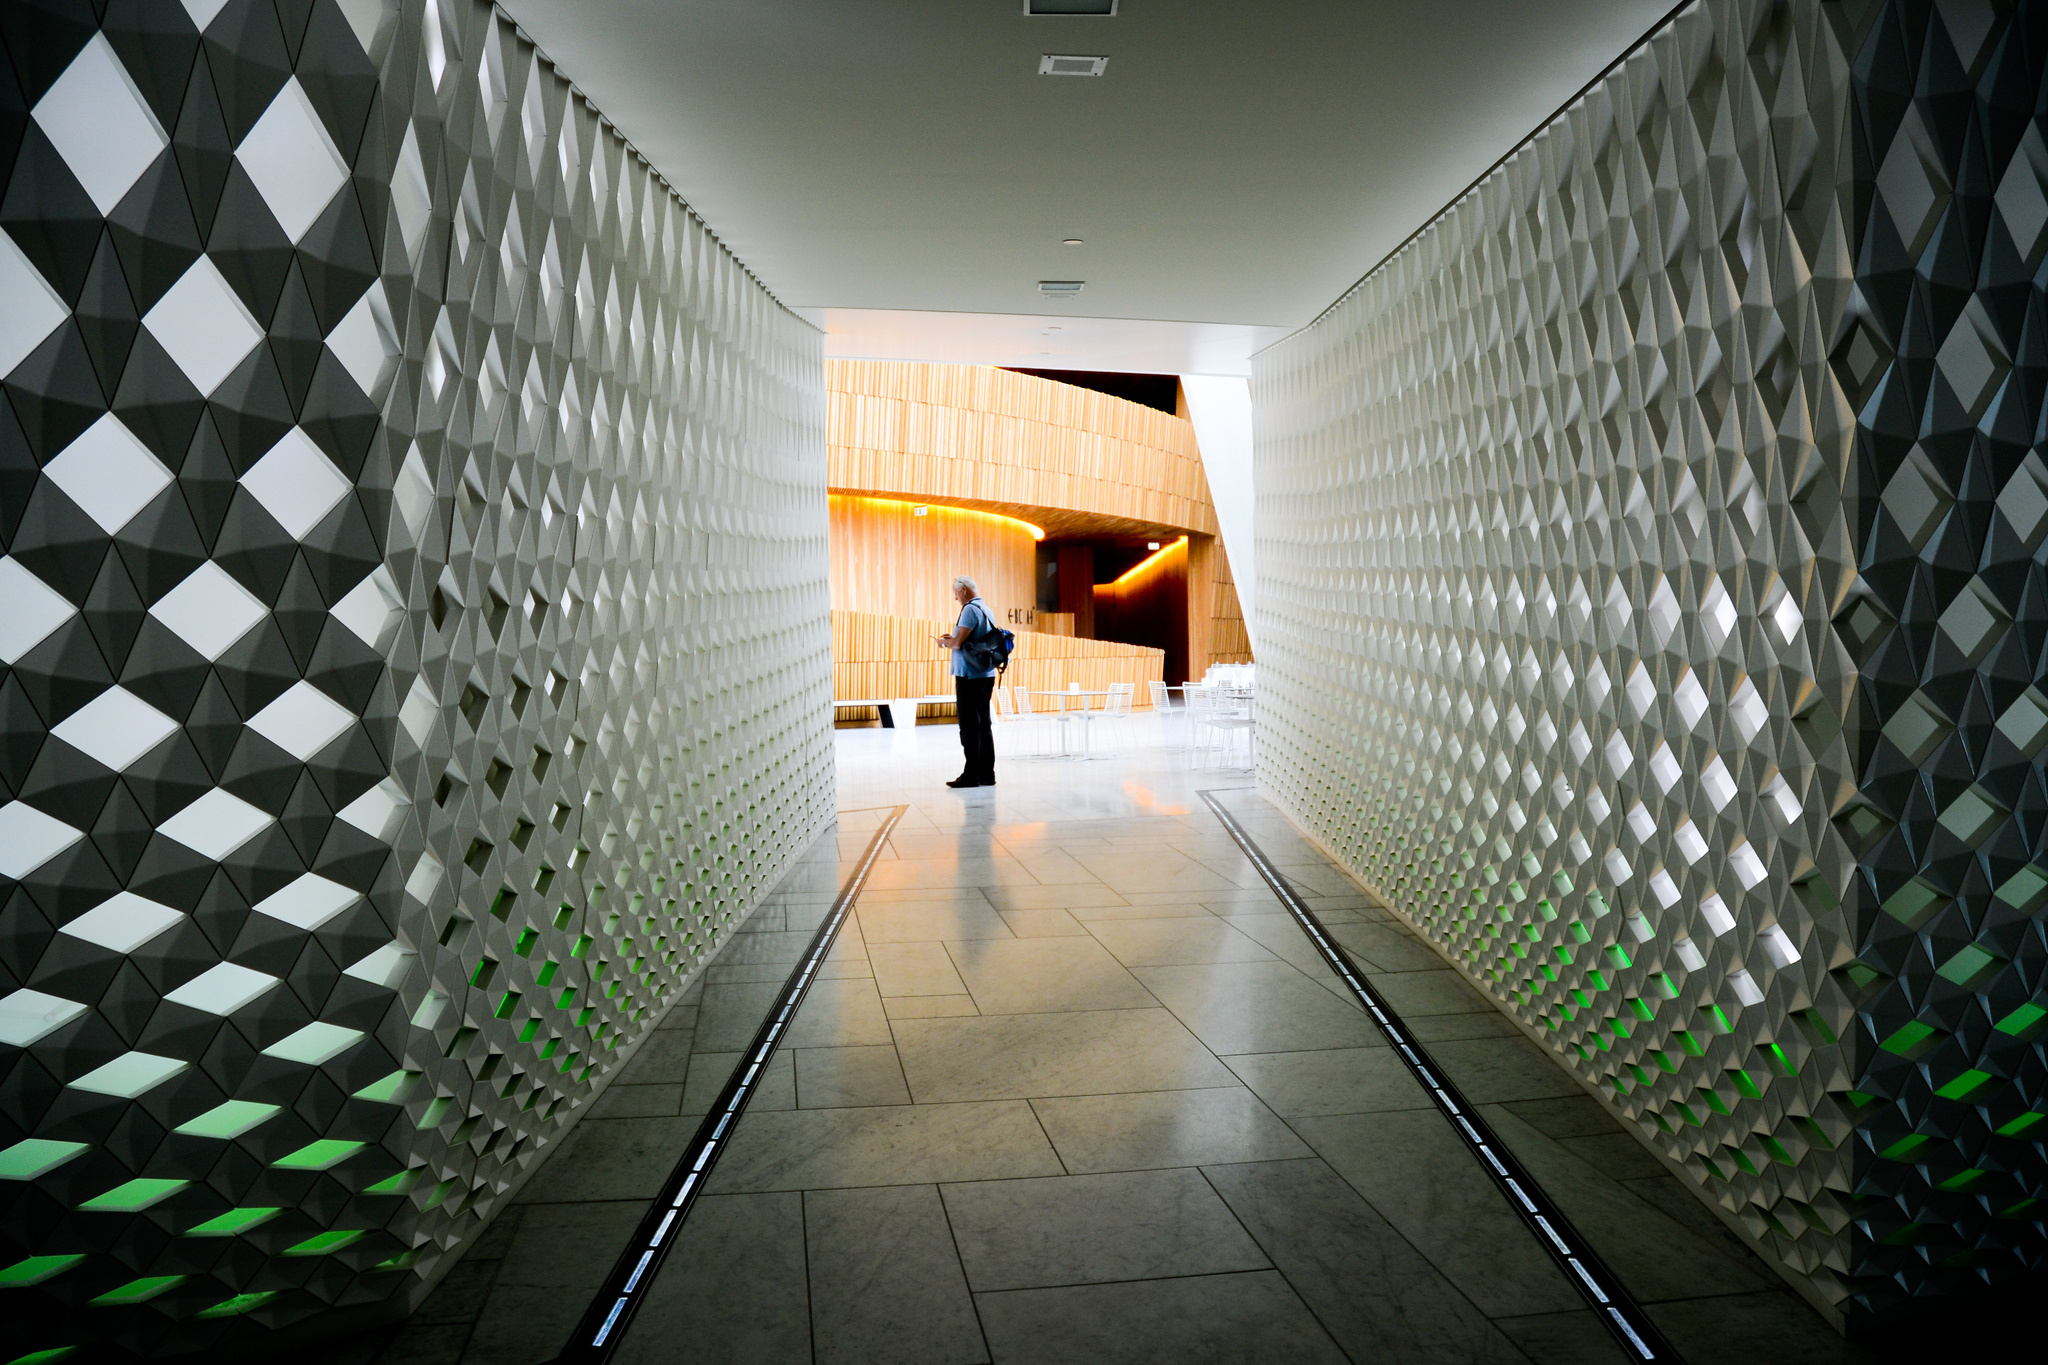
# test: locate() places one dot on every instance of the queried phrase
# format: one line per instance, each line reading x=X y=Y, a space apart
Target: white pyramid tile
x=29 y=838
x=27 y=1017
x=123 y=923
x=203 y=11
x=364 y=343
x=215 y=825
x=34 y=608
x=309 y=902
x=204 y=326
x=209 y=610
x=129 y=1074
x=302 y=721
x=99 y=123
x=371 y=608
x=386 y=967
x=314 y=1044
x=116 y=727
x=222 y=988
x=296 y=483
x=376 y=811
x=292 y=161
x=109 y=473
x=29 y=309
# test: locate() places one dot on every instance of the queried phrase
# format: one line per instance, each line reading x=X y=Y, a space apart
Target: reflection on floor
x=1074 y=1089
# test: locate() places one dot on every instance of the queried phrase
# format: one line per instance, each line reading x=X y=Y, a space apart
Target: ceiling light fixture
x=1070 y=241
x=1054 y=65
x=1060 y=291
x=1071 y=9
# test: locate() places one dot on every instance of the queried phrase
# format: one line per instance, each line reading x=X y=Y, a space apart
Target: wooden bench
x=886 y=706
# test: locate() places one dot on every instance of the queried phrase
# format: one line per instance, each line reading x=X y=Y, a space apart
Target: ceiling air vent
x=1050 y=65
x=1060 y=291
x=1101 y=9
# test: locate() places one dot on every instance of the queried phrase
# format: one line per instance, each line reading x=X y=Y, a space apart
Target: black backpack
x=991 y=648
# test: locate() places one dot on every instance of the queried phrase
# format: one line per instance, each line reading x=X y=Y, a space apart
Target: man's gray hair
x=963 y=581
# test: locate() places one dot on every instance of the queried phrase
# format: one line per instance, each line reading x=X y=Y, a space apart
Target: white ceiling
x=1238 y=167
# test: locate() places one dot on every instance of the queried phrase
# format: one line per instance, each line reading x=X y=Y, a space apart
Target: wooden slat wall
x=890 y=561
x=984 y=435
x=1229 y=641
x=893 y=656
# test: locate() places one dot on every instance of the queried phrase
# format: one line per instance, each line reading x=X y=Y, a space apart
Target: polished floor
x=1075 y=1089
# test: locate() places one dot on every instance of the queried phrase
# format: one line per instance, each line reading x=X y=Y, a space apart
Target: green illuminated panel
x=239 y=1304
x=32 y=1157
x=322 y=1243
x=318 y=1156
x=229 y=1120
x=36 y=1269
x=232 y=1222
x=138 y=1291
x=136 y=1194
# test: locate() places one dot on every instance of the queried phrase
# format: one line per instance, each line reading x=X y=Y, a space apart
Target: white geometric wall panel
x=415 y=595
x=1653 y=601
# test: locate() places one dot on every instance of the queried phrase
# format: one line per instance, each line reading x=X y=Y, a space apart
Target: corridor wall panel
x=1653 y=602
x=415 y=635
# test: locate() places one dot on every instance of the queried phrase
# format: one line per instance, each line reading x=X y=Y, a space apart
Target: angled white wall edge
x=421 y=523
x=1650 y=565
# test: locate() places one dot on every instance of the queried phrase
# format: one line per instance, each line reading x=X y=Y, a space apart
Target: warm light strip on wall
x=1036 y=532
x=1148 y=562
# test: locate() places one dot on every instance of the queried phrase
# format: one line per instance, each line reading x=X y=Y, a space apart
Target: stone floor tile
x=843 y=1013
x=1422 y=1179
x=1042 y=923
x=1177 y=942
x=922 y=968
x=1257 y=1007
x=1045 y=975
x=638 y=1102
x=1351 y=1080
x=928 y=1006
x=1499 y=1070
x=929 y=921
x=817 y=1149
x=740 y=1251
x=709 y=1072
x=1160 y=1128
x=1370 y=1289
x=1443 y=991
x=1203 y=1320
x=1565 y=1338
x=886 y=1284
x=1775 y=1325
x=1076 y=898
x=1023 y=1055
x=846 y=1077
x=1085 y=1229
x=610 y=1159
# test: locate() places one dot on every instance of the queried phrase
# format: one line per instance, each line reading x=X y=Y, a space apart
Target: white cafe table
x=1065 y=696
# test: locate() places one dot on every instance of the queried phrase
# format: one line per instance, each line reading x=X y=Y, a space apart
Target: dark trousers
x=971 y=696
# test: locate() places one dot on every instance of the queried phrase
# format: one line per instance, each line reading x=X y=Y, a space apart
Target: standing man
x=971 y=687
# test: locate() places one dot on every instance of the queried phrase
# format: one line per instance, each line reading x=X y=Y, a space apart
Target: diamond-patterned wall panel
x=1651 y=560
x=415 y=591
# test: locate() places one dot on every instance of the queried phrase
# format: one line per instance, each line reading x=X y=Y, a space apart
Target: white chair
x=1215 y=718
x=1115 y=713
x=1025 y=722
x=1163 y=707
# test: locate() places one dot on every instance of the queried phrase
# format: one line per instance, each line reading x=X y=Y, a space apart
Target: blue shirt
x=974 y=620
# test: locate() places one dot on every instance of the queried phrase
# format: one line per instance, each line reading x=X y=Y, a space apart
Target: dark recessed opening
x=1161 y=391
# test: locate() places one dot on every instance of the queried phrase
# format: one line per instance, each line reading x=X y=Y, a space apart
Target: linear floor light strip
x=604 y=1322
x=1632 y=1328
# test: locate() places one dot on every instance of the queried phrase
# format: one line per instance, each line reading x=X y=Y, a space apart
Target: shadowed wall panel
x=415 y=592
x=1651 y=586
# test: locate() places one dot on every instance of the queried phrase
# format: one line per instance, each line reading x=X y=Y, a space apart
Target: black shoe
x=965 y=781
x=986 y=782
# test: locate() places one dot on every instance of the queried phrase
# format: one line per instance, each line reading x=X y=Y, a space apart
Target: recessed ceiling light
x=920 y=511
x=1060 y=290
x=1071 y=241
x=1054 y=328
x=1071 y=9
x=1151 y=544
x=1053 y=65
